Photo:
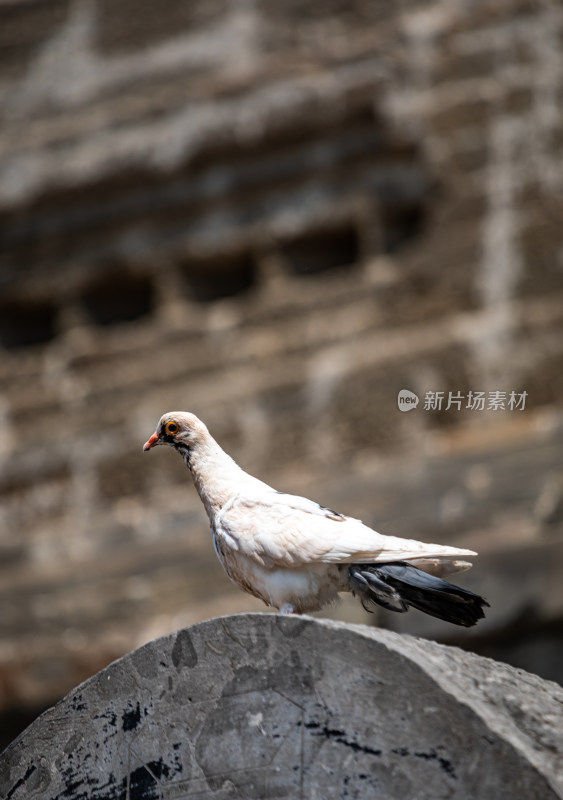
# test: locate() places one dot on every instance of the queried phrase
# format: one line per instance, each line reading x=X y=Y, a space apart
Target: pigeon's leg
x=287 y=608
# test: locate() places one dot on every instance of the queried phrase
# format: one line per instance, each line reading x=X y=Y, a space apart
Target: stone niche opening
x=215 y=277
x=27 y=322
x=322 y=250
x=117 y=296
x=400 y=223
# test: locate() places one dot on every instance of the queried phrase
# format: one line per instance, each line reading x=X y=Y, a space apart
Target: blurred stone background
x=276 y=215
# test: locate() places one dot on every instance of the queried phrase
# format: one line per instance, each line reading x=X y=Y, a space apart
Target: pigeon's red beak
x=152 y=442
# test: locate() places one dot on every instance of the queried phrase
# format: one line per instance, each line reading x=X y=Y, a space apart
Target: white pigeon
x=296 y=555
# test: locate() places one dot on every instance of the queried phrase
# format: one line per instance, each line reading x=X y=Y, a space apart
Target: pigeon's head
x=180 y=429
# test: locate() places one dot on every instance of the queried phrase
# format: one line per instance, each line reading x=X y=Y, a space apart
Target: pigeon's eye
x=171 y=427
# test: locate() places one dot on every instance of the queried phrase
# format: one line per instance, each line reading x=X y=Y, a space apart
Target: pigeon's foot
x=287 y=608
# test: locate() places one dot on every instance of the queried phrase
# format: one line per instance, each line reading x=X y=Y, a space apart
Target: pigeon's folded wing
x=281 y=530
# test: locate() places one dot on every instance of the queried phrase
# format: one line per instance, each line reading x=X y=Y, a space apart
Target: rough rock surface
x=260 y=706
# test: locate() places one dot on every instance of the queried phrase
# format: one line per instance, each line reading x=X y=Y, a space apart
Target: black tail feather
x=398 y=585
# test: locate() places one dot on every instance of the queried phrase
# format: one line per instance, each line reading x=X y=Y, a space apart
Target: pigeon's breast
x=239 y=568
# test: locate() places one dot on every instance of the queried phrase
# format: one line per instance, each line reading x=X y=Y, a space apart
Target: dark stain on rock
x=131 y=719
x=432 y=755
x=111 y=718
x=21 y=782
x=183 y=652
x=337 y=735
x=74 y=786
x=141 y=784
x=143 y=781
x=39 y=780
x=445 y=765
x=79 y=789
x=77 y=703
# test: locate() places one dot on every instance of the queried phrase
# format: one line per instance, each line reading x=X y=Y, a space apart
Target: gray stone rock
x=264 y=706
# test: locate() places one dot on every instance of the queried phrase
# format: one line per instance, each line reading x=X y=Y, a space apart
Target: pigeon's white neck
x=215 y=474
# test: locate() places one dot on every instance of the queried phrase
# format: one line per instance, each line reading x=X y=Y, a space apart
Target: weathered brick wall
x=277 y=216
